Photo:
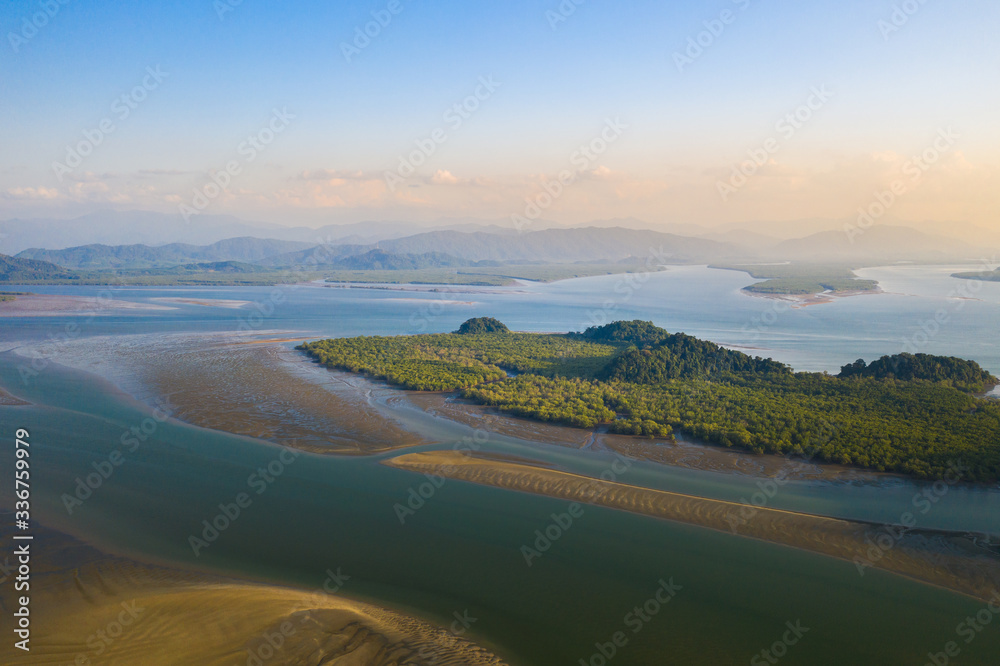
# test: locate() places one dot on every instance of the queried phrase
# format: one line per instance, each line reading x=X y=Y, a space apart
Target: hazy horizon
x=646 y=122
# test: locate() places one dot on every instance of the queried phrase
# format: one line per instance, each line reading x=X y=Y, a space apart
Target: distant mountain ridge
x=881 y=244
x=243 y=249
x=14 y=269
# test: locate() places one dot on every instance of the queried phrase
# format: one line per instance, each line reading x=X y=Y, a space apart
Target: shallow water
x=462 y=549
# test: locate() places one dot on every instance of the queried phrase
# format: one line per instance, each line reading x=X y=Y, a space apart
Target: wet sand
x=967 y=564
x=246 y=385
x=806 y=300
x=680 y=453
x=251 y=389
x=207 y=302
x=7 y=400
x=89 y=607
x=56 y=306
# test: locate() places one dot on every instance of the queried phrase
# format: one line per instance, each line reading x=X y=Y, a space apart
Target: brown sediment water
x=89 y=607
x=962 y=563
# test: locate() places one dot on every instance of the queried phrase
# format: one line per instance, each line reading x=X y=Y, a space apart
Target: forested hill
x=966 y=375
x=658 y=356
x=915 y=415
x=17 y=270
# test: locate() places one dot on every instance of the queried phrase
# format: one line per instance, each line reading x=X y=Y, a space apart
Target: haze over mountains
x=156 y=229
x=453 y=248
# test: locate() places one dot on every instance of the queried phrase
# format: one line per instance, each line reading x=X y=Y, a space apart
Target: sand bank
x=88 y=607
x=963 y=563
x=806 y=300
x=680 y=453
x=56 y=306
x=207 y=302
x=6 y=399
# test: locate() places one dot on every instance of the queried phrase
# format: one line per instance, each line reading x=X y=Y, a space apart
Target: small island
x=912 y=414
x=988 y=276
x=790 y=279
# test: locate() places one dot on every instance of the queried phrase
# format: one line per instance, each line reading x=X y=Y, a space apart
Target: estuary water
x=462 y=549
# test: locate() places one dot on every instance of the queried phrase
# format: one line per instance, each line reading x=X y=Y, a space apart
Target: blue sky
x=558 y=84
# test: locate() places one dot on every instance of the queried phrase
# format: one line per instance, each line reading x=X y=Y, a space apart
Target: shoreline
x=949 y=560
x=806 y=300
x=179 y=616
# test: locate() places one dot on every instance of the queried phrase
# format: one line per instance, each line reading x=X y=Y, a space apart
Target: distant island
x=911 y=414
x=11 y=295
x=793 y=279
x=988 y=276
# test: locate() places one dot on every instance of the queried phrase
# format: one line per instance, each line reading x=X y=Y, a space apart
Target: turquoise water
x=461 y=550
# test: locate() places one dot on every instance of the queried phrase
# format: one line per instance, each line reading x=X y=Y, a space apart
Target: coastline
x=948 y=560
x=171 y=616
x=805 y=300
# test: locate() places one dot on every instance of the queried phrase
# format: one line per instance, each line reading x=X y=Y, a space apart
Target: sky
x=308 y=112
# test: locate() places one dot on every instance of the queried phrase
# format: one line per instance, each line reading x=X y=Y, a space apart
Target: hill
x=877 y=244
x=380 y=260
x=96 y=257
x=15 y=270
x=481 y=325
x=988 y=276
x=966 y=375
x=680 y=383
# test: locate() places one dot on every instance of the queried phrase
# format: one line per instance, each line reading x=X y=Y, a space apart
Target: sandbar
x=46 y=305
x=968 y=564
x=89 y=607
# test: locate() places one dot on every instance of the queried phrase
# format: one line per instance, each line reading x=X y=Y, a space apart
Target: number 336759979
x=21 y=475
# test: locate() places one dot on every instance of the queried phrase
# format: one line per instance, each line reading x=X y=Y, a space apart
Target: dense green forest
x=914 y=414
x=481 y=325
x=966 y=375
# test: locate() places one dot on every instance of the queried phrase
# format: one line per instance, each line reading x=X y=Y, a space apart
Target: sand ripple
x=969 y=564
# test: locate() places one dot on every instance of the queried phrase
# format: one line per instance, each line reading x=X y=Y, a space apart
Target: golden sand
x=953 y=561
x=91 y=608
